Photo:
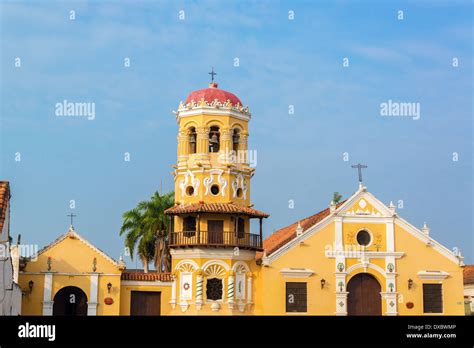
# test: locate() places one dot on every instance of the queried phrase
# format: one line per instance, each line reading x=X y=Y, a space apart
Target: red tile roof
x=212 y=93
x=284 y=235
x=468 y=274
x=4 y=201
x=141 y=276
x=217 y=208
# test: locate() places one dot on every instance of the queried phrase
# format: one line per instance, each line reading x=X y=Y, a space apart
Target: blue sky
x=282 y=63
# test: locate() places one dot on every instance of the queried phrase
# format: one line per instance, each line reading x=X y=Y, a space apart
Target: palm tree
x=336 y=197
x=147 y=226
x=156 y=221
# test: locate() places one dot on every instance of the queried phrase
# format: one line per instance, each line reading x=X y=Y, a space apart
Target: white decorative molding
x=240 y=267
x=365 y=266
x=296 y=272
x=341 y=303
x=432 y=275
x=221 y=263
x=217 y=253
x=239 y=182
x=391 y=302
x=210 y=180
x=355 y=254
x=215 y=271
x=207 y=110
x=189 y=178
x=186 y=266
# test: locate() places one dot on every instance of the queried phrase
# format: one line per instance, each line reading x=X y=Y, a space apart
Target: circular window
x=239 y=193
x=363 y=238
x=190 y=190
x=215 y=189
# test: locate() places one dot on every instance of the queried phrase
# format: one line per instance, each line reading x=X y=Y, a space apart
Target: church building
x=355 y=257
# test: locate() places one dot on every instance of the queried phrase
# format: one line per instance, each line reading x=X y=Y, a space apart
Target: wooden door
x=145 y=303
x=215 y=230
x=364 y=295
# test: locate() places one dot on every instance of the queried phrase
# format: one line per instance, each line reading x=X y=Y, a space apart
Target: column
x=202 y=146
x=94 y=289
x=173 y=291
x=249 y=288
x=341 y=294
x=183 y=148
x=48 y=287
x=230 y=290
x=199 y=281
x=243 y=148
x=226 y=145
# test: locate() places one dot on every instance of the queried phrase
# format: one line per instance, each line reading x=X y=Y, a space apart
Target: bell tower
x=212 y=245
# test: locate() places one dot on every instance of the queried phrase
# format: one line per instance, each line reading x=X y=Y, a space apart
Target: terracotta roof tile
x=4 y=201
x=141 y=276
x=468 y=274
x=279 y=238
x=217 y=208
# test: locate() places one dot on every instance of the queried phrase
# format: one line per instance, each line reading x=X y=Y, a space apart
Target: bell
x=192 y=139
x=214 y=139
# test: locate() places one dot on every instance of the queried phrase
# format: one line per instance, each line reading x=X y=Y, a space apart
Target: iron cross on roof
x=71 y=216
x=359 y=168
x=212 y=73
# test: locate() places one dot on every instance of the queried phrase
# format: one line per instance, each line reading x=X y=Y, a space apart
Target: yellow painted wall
x=422 y=257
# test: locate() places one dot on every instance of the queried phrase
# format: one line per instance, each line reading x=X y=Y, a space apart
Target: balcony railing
x=224 y=238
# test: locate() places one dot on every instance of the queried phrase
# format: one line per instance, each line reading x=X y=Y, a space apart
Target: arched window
x=235 y=139
x=192 y=140
x=214 y=139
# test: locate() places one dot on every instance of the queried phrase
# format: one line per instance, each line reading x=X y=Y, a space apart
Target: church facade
x=356 y=257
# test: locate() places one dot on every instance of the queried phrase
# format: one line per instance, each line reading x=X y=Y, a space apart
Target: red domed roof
x=212 y=93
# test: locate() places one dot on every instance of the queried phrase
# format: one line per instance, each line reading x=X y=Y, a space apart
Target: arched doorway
x=364 y=295
x=70 y=301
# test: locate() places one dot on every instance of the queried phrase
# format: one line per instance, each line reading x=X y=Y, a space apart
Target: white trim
x=144 y=283
x=432 y=275
x=47 y=292
x=362 y=193
x=203 y=253
x=296 y=272
x=211 y=111
x=427 y=239
x=390 y=236
x=94 y=290
x=366 y=265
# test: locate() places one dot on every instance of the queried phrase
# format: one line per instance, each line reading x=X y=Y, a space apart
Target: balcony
x=216 y=239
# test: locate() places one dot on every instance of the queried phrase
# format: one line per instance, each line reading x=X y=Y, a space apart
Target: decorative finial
x=425 y=229
x=299 y=230
x=392 y=207
x=332 y=207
